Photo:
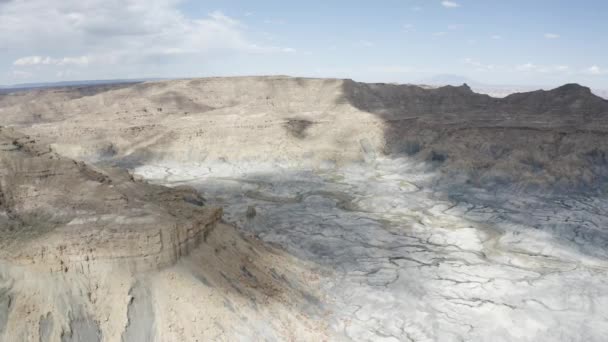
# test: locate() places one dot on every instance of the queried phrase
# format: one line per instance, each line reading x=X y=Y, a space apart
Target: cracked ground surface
x=472 y=218
x=412 y=262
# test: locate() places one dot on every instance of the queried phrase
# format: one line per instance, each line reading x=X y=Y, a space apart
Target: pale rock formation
x=357 y=211
x=555 y=137
x=89 y=254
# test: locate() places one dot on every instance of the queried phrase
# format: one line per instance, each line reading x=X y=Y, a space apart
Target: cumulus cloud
x=531 y=67
x=38 y=60
x=450 y=4
x=596 y=70
x=56 y=34
x=551 y=35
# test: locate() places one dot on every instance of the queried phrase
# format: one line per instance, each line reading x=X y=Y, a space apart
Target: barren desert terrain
x=280 y=208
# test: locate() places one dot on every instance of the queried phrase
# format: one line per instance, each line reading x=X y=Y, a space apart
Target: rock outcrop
x=89 y=254
x=400 y=208
x=541 y=138
x=64 y=216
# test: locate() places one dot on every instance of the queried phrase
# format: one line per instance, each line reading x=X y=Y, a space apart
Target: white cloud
x=545 y=69
x=551 y=35
x=126 y=35
x=496 y=37
x=39 y=60
x=596 y=70
x=32 y=60
x=450 y=4
x=391 y=69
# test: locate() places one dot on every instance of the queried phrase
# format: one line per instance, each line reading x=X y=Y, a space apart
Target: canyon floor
x=277 y=208
x=408 y=263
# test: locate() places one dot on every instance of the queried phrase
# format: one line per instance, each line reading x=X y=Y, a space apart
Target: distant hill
x=494 y=90
x=26 y=86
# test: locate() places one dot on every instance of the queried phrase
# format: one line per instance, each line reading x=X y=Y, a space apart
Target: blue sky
x=512 y=42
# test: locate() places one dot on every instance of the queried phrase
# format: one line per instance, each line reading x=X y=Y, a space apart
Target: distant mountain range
x=25 y=86
x=494 y=90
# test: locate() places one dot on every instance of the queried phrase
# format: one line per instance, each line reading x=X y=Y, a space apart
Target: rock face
x=89 y=254
x=547 y=138
x=356 y=211
x=555 y=138
x=59 y=214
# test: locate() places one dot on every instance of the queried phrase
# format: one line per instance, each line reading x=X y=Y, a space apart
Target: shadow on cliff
x=550 y=147
x=553 y=140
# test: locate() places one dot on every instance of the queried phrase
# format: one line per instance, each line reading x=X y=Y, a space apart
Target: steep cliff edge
x=89 y=254
x=553 y=139
x=60 y=214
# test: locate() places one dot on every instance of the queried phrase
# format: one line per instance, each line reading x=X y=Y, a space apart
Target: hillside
x=89 y=254
x=278 y=208
x=555 y=137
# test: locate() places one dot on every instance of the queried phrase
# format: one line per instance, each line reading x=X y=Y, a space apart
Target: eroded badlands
x=349 y=211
